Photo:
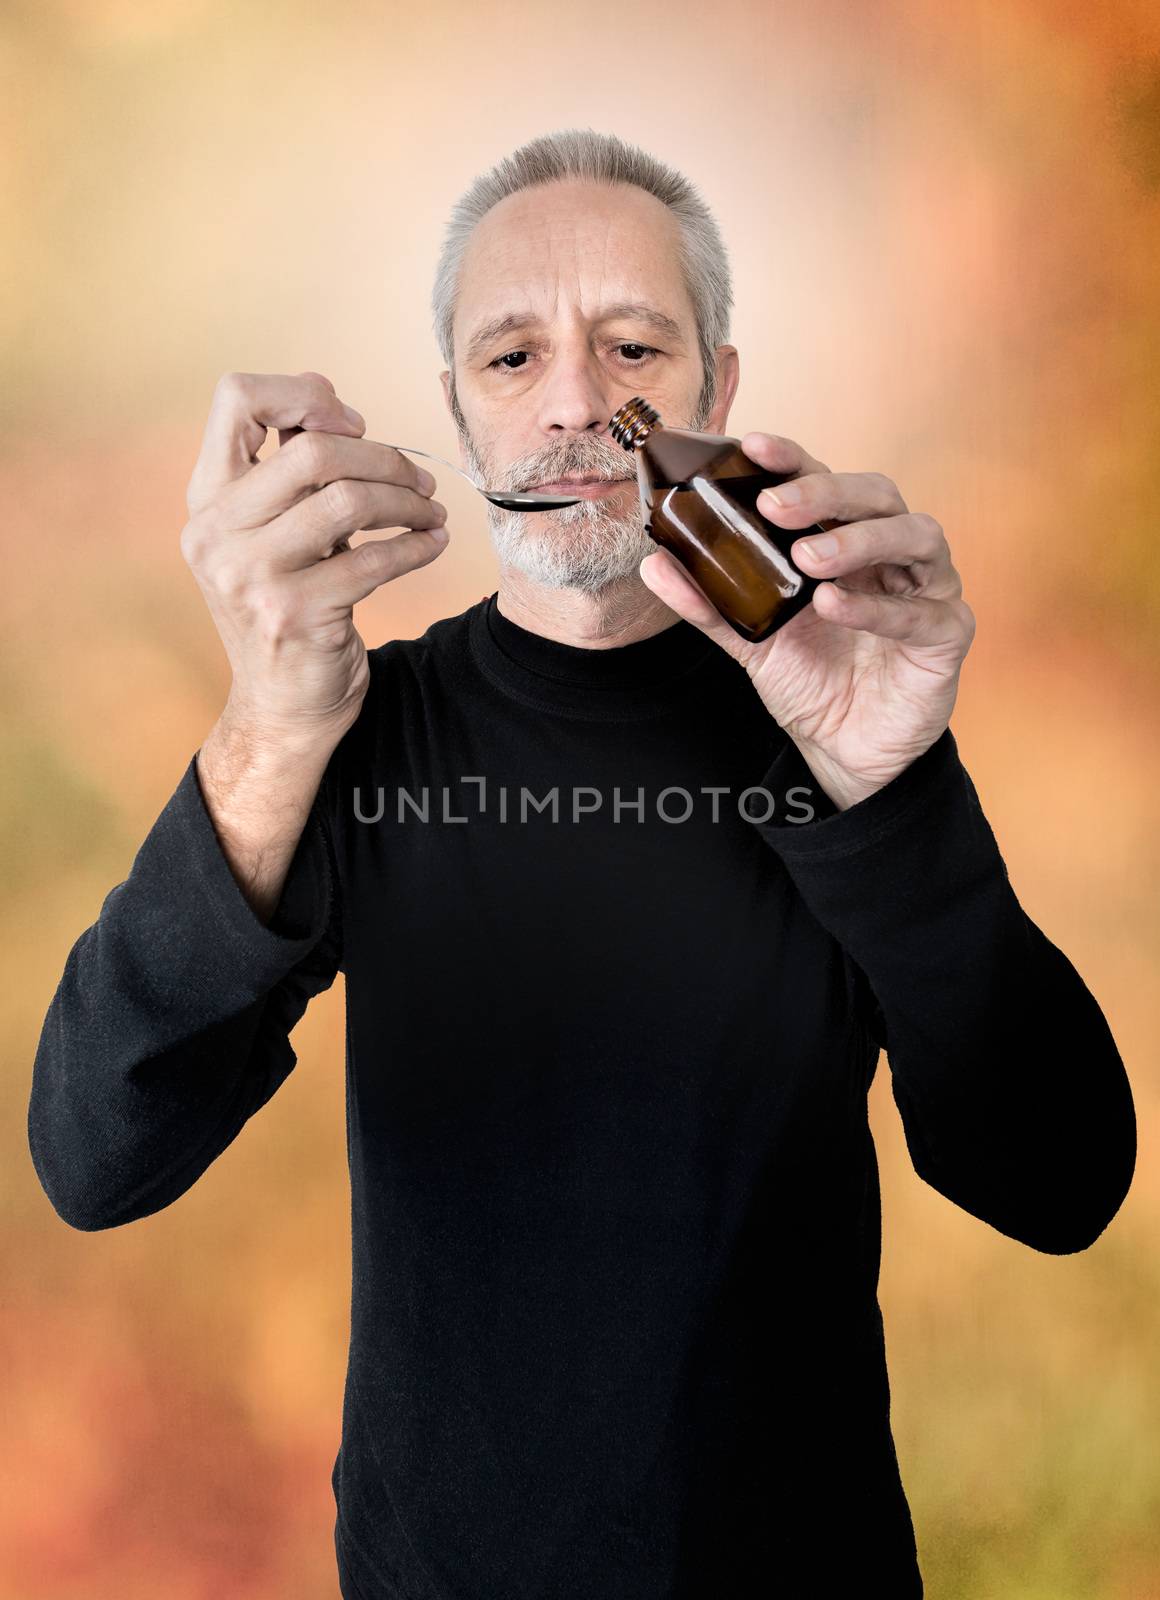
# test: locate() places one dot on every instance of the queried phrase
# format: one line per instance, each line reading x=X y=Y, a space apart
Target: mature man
x=626 y=908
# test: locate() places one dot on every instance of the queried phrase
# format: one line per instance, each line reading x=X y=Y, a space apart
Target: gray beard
x=580 y=547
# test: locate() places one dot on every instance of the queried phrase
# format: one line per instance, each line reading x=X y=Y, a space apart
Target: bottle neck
x=633 y=422
x=646 y=433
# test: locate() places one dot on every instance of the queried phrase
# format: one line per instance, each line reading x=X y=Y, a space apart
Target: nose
x=573 y=397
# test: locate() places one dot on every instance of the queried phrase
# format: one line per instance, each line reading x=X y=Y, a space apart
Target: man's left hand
x=863 y=679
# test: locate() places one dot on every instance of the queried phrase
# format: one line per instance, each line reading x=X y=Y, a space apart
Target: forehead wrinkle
x=568 y=245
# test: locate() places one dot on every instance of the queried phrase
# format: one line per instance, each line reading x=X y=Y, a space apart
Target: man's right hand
x=266 y=541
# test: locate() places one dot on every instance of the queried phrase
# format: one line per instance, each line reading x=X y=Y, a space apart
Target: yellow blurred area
x=944 y=223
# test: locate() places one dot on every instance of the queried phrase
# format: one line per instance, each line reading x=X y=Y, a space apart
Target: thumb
x=347 y=420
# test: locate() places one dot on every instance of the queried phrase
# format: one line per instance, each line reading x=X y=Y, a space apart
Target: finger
x=821 y=496
x=244 y=406
x=311 y=460
x=661 y=572
x=776 y=454
x=349 y=577
x=309 y=531
x=284 y=437
x=911 y=540
x=916 y=619
x=288 y=433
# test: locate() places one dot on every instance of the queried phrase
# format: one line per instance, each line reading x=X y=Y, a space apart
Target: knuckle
x=308 y=450
x=229 y=577
x=931 y=531
x=231 y=383
x=194 y=542
x=369 y=560
x=311 y=454
x=403 y=470
x=344 y=500
x=275 y=614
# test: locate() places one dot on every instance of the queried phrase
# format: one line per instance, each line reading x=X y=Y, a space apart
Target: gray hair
x=581 y=153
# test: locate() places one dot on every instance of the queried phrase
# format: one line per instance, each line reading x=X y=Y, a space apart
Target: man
x=626 y=908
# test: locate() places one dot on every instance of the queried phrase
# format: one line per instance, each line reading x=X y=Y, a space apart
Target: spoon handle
x=409 y=449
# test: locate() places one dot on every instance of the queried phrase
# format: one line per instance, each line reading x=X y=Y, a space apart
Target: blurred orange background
x=944 y=227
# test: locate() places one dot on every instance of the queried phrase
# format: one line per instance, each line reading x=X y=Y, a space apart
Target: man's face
x=532 y=400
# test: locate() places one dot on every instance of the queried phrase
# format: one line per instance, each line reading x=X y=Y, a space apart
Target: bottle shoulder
x=677 y=455
x=674 y=455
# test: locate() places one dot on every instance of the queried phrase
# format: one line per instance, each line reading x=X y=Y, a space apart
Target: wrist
x=273 y=743
x=255 y=779
x=842 y=788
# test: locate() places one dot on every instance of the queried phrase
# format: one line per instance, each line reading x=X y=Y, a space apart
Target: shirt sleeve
x=1013 y=1097
x=170 y=1025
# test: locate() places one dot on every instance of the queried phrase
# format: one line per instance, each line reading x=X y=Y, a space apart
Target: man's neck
x=619 y=615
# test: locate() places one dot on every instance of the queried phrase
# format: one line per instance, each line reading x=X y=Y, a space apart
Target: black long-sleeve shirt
x=615 y=1210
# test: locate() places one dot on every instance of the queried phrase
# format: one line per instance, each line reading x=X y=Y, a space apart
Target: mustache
x=578 y=457
x=602 y=464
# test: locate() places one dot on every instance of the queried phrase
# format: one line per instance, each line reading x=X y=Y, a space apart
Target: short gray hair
x=581 y=153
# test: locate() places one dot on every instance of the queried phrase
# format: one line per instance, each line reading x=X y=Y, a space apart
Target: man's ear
x=445 y=380
x=728 y=377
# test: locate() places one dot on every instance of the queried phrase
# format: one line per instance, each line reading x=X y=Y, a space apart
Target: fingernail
x=786 y=494
x=426 y=481
x=353 y=417
x=823 y=547
x=441 y=534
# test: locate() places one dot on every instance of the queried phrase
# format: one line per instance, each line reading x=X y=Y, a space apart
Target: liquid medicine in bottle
x=698 y=493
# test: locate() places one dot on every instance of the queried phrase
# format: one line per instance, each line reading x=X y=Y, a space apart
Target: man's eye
x=625 y=344
x=632 y=345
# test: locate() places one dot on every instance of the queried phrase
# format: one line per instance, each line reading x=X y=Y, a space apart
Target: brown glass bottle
x=698 y=492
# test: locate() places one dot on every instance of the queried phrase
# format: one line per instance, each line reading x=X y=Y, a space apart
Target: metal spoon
x=498 y=497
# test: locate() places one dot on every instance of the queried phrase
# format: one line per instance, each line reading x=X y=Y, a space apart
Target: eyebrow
x=634 y=310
